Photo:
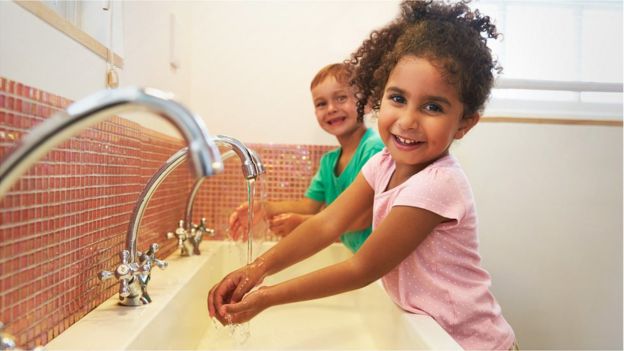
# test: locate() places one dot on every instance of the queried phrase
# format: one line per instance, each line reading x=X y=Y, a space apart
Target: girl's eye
x=433 y=108
x=342 y=98
x=399 y=99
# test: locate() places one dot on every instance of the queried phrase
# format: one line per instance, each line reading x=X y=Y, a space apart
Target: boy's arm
x=304 y=206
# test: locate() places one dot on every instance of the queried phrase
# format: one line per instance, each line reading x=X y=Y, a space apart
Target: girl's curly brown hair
x=449 y=35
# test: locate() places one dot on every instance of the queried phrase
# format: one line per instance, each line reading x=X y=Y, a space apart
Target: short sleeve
x=371 y=168
x=372 y=146
x=316 y=190
x=437 y=190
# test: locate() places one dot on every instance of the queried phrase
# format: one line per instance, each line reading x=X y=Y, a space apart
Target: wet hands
x=252 y=304
x=225 y=299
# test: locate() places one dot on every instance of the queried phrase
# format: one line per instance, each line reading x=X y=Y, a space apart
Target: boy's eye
x=431 y=107
x=399 y=99
x=342 y=98
x=319 y=104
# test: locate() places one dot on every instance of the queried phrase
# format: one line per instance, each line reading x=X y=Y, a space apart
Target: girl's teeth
x=406 y=141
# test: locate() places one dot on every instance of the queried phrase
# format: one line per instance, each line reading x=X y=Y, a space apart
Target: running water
x=250 y=214
x=240 y=333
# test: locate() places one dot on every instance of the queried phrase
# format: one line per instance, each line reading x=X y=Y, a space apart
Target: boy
x=336 y=113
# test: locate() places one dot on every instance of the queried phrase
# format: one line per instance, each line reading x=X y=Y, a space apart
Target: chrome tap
x=180 y=234
x=197 y=234
x=152 y=185
x=248 y=163
x=91 y=110
x=252 y=167
x=257 y=162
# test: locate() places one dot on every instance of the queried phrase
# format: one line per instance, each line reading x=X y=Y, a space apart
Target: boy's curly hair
x=449 y=35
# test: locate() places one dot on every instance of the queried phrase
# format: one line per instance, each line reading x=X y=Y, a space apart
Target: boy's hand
x=284 y=223
x=239 y=220
x=232 y=288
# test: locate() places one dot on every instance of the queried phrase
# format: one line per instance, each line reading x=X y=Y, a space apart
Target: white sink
x=178 y=319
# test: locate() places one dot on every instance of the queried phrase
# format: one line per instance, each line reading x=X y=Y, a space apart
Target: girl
x=428 y=73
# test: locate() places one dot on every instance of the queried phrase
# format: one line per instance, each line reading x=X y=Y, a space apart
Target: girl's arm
x=395 y=238
x=308 y=238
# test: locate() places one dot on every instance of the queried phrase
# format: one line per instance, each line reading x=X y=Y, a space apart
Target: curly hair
x=449 y=35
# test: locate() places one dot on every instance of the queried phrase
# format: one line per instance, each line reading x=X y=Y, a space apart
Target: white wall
x=35 y=54
x=549 y=200
x=253 y=62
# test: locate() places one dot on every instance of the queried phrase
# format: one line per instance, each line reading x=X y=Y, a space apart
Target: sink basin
x=178 y=319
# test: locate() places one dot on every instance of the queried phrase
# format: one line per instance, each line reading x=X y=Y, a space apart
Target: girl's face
x=335 y=108
x=420 y=114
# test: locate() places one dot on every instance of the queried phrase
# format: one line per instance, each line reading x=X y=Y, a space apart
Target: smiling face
x=420 y=114
x=334 y=107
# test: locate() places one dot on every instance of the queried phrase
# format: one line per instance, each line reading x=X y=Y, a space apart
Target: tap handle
x=202 y=225
x=180 y=232
x=210 y=232
x=148 y=259
x=161 y=263
x=123 y=271
x=105 y=275
x=124 y=289
x=124 y=256
x=153 y=248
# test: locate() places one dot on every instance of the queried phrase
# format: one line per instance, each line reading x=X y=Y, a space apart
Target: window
x=559 y=58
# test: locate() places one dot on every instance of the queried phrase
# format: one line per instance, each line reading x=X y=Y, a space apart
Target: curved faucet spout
x=99 y=106
x=150 y=188
x=250 y=171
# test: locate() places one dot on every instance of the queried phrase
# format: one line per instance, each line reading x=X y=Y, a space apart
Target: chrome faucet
x=186 y=230
x=82 y=114
x=252 y=167
x=152 y=185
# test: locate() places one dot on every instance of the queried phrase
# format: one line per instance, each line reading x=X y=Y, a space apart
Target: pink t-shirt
x=442 y=277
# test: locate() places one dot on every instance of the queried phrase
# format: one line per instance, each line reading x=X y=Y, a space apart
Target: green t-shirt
x=326 y=186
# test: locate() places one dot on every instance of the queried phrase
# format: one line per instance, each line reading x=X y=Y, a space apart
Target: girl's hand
x=233 y=287
x=245 y=310
x=284 y=223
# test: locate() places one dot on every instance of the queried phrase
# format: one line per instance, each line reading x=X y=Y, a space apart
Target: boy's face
x=335 y=108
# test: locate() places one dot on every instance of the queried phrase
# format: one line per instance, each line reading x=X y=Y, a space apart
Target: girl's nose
x=408 y=120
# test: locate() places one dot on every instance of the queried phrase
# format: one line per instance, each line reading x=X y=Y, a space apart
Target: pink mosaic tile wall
x=67 y=217
x=289 y=169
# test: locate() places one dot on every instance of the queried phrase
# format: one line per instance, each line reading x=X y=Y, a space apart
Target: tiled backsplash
x=66 y=219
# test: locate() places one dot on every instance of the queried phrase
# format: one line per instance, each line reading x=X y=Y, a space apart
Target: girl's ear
x=466 y=123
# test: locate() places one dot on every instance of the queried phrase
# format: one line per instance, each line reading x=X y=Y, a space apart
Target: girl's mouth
x=337 y=120
x=406 y=143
